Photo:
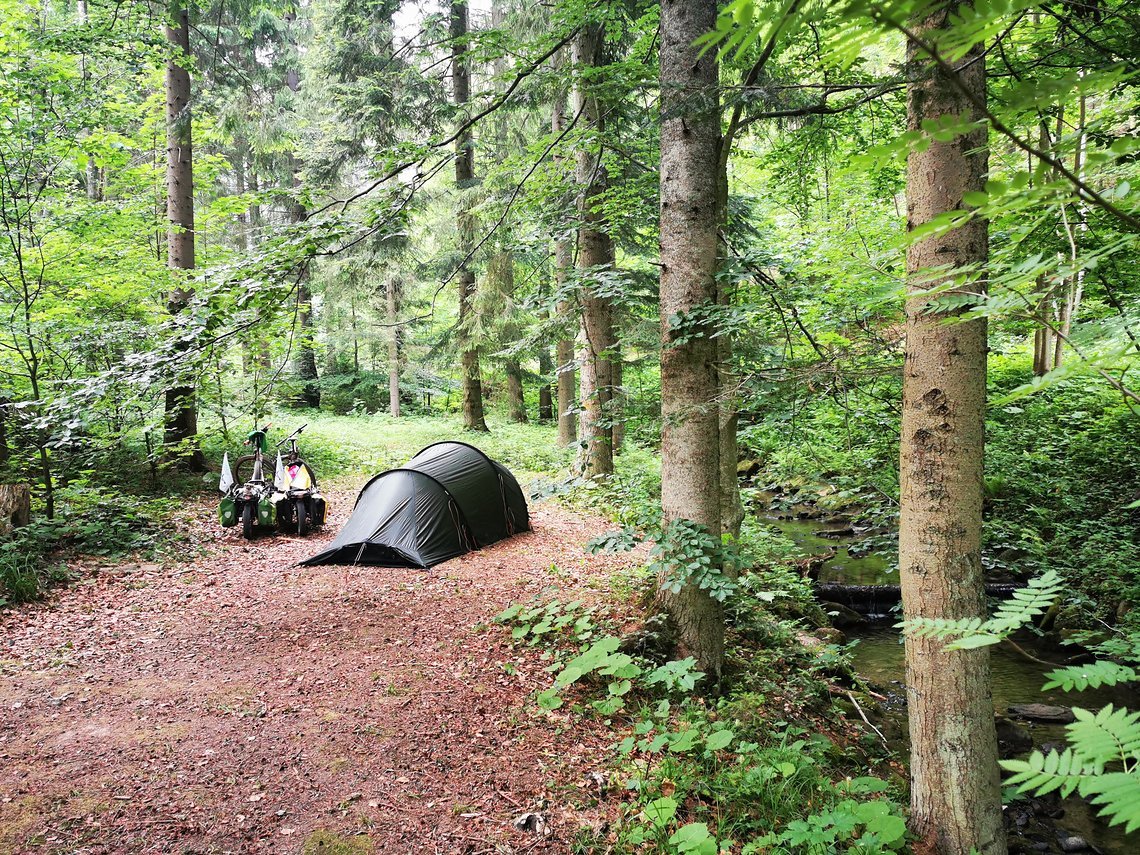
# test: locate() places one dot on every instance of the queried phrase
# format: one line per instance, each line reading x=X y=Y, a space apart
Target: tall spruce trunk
x=690 y=445
x=617 y=396
x=465 y=223
x=306 y=365
x=595 y=255
x=731 y=506
x=545 y=398
x=955 y=785
x=181 y=413
x=564 y=348
x=393 y=304
x=516 y=403
x=93 y=181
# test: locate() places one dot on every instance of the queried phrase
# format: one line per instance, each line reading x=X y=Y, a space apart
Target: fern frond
x=1043 y=773
x=1110 y=735
x=1024 y=604
x=940 y=628
x=1105 y=736
x=1077 y=678
x=1118 y=795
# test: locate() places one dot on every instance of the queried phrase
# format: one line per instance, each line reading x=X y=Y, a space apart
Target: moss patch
x=322 y=842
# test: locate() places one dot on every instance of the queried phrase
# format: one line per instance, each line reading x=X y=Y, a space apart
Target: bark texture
x=955 y=787
x=564 y=348
x=393 y=303
x=690 y=445
x=306 y=350
x=181 y=414
x=516 y=404
x=464 y=177
x=15 y=507
x=564 y=352
x=595 y=256
x=545 y=398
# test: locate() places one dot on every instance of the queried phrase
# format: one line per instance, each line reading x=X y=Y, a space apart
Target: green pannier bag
x=266 y=512
x=227 y=512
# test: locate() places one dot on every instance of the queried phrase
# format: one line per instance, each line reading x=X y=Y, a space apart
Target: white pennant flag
x=227 y=479
x=280 y=477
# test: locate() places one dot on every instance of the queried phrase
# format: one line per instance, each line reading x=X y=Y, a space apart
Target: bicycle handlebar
x=293 y=435
x=256 y=433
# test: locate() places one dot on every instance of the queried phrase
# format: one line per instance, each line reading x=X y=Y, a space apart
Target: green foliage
x=686 y=554
x=95 y=521
x=1025 y=604
x=1102 y=672
x=701 y=776
x=1102 y=743
x=1103 y=760
x=533 y=623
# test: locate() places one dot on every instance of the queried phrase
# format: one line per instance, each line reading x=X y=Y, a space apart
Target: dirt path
x=239 y=703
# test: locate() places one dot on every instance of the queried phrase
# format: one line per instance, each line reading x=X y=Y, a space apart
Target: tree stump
x=15 y=507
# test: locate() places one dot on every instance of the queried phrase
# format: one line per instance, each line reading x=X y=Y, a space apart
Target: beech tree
x=955 y=784
x=690 y=439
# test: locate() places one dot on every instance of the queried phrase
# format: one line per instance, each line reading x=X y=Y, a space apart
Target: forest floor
x=235 y=702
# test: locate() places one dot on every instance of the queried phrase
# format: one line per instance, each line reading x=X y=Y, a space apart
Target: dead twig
x=867 y=721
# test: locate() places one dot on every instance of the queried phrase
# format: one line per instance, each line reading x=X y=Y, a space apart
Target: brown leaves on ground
x=236 y=702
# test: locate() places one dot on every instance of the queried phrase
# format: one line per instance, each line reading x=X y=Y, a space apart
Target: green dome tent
x=449 y=499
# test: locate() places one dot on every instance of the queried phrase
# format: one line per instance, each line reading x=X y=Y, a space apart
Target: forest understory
x=758 y=300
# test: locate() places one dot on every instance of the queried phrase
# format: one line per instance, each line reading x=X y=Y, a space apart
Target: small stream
x=1016 y=679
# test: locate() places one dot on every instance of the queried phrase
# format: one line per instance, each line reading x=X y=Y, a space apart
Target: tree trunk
x=731 y=506
x=1074 y=230
x=465 y=223
x=955 y=786
x=93 y=182
x=5 y=450
x=181 y=415
x=393 y=347
x=595 y=255
x=567 y=392
x=564 y=349
x=15 y=507
x=306 y=351
x=516 y=404
x=690 y=445
x=617 y=397
x=545 y=398
x=585 y=393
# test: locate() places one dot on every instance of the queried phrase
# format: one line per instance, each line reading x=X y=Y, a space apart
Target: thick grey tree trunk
x=955 y=786
x=465 y=225
x=181 y=415
x=595 y=255
x=690 y=445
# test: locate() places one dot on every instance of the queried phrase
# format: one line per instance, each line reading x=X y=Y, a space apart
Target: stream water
x=1016 y=679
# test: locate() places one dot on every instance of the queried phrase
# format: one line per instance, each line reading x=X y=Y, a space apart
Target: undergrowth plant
x=703 y=777
x=90 y=520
